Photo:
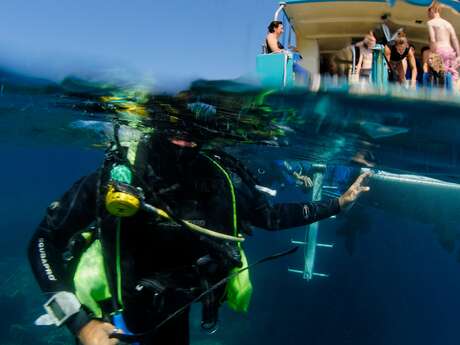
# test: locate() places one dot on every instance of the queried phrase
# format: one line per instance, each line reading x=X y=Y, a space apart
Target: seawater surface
x=394 y=269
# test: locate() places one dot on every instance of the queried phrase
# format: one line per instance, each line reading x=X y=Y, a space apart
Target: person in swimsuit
x=398 y=55
x=443 y=40
x=364 y=65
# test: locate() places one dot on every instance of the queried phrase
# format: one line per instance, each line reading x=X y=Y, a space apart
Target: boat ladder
x=310 y=242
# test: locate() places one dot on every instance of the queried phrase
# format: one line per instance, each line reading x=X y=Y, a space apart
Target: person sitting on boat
x=443 y=39
x=364 y=65
x=273 y=45
x=399 y=56
x=275 y=30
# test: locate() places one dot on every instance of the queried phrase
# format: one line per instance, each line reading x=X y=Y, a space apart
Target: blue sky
x=178 y=38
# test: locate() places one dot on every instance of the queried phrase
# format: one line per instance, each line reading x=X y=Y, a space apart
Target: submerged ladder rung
x=301 y=243
x=330 y=187
x=324 y=275
x=323 y=245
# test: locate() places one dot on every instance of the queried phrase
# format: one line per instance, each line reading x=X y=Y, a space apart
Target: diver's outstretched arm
x=291 y=215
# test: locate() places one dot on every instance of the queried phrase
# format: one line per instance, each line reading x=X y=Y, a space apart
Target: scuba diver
x=127 y=249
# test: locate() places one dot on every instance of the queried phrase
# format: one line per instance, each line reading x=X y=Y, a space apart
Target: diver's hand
x=97 y=333
x=354 y=191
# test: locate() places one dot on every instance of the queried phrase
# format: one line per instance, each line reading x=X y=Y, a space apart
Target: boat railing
x=277 y=70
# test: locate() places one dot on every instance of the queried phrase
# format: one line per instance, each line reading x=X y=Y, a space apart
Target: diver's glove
x=227 y=252
x=232 y=257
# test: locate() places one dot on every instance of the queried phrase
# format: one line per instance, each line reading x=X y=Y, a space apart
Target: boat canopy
x=324 y=27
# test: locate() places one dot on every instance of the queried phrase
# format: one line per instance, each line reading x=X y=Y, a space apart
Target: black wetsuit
x=196 y=190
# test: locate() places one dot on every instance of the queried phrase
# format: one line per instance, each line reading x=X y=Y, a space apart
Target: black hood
x=168 y=160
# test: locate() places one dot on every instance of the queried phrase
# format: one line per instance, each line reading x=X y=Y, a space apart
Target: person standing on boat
x=443 y=40
x=400 y=56
x=364 y=65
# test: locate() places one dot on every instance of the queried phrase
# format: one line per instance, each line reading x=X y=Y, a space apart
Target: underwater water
x=394 y=268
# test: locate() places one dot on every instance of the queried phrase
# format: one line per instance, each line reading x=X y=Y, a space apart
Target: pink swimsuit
x=448 y=57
